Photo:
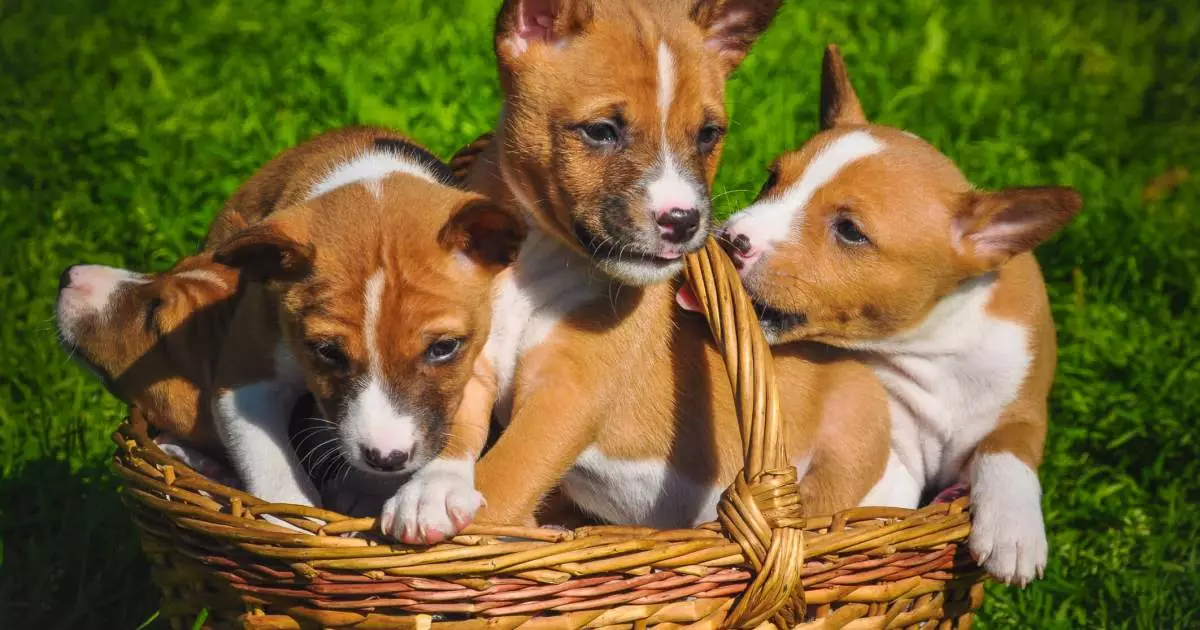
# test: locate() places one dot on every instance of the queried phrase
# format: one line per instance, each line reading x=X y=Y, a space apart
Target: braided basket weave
x=760 y=566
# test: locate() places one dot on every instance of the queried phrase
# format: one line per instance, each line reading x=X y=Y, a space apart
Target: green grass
x=125 y=124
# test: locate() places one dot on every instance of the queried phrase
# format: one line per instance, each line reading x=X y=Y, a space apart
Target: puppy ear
x=523 y=24
x=839 y=103
x=485 y=232
x=271 y=250
x=732 y=26
x=992 y=227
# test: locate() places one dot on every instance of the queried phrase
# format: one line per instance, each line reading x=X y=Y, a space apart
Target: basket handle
x=765 y=491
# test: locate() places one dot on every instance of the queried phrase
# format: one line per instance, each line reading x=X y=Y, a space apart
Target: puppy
x=868 y=238
x=367 y=282
x=152 y=338
x=609 y=139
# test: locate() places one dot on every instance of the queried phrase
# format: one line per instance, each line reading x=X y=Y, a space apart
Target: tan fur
x=627 y=372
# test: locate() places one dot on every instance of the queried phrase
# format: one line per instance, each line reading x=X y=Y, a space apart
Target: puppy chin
x=641 y=272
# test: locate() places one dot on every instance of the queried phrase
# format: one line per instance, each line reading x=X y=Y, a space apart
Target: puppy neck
x=956 y=325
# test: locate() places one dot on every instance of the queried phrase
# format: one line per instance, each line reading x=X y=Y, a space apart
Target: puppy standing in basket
x=608 y=141
x=368 y=283
x=870 y=239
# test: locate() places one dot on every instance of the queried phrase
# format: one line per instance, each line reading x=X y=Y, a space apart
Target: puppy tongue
x=687 y=300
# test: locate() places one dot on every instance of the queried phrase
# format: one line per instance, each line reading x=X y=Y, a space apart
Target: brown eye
x=330 y=353
x=708 y=137
x=772 y=180
x=152 y=308
x=600 y=134
x=848 y=232
x=443 y=350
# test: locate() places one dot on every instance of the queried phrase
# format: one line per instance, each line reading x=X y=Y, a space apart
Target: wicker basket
x=760 y=566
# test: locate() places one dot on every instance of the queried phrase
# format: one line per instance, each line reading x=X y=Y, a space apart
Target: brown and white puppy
x=868 y=238
x=371 y=278
x=153 y=338
x=608 y=142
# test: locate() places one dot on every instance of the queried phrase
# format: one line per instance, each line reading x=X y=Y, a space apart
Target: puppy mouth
x=775 y=322
x=632 y=252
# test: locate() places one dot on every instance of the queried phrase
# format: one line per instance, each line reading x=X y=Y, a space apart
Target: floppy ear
x=731 y=26
x=485 y=232
x=992 y=227
x=522 y=24
x=839 y=103
x=271 y=250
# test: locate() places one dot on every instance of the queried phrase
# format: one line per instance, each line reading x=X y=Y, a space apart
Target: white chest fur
x=643 y=492
x=545 y=285
x=949 y=380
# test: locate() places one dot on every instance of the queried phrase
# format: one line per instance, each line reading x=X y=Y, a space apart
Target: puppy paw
x=437 y=503
x=1008 y=534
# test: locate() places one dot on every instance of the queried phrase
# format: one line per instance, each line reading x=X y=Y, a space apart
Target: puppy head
x=151 y=338
x=614 y=120
x=858 y=234
x=384 y=291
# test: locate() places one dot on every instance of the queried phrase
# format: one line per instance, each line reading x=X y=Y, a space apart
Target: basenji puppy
x=368 y=282
x=152 y=339
x=868 y=238
x=609 y=138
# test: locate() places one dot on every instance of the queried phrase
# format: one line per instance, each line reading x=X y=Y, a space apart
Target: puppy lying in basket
x=365 y=277
x=868 y=238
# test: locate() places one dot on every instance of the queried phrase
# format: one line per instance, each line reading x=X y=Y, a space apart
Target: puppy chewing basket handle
x=765 y=490
x=253 y=564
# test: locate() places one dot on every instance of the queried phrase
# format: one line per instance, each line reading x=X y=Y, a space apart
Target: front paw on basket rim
x=437 y=503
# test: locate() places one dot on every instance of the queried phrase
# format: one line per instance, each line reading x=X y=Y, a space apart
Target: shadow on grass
x=69 y=554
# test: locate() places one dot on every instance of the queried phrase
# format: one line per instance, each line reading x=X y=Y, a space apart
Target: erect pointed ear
x=992 y=227
x=522 y=24
x=488 y=234
x=731 y=26
x=839 y=103
x=277 y=249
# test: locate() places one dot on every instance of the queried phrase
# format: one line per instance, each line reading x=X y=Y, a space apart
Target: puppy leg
x=1008 y=532
x=253 y=423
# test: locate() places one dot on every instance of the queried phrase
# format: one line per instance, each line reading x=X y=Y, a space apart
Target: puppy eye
x=152 y=308
x=708 y=137
x=600 y=134
x=331 y=354
x=772 y=180
x=443 y=350
x=849 y=233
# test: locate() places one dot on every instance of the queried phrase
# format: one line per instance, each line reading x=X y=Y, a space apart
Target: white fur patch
x=373 y=297
x=639 y=492
x=253 y=424
x=369 y=168
x=1008 y=534
x=896 y=488
x=90 y=292
x=372 y=420
x=949 y=379
x=435 y=504
x=546 y=285
x=773 y=220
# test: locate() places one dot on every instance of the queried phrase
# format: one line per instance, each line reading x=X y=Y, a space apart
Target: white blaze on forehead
x=373 y=296
x=771 y=221
x=369 y=168
x=670 y=189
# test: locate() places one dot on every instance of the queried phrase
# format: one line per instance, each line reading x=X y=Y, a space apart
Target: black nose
x=64 y=280
x=393 y=462
x=679 y=224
